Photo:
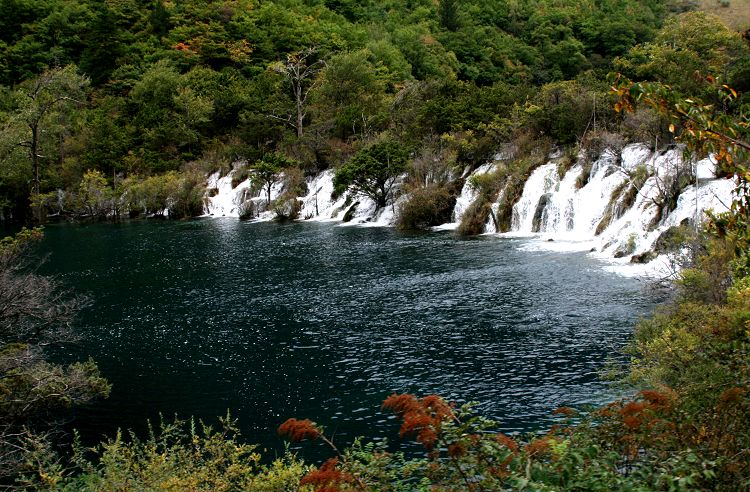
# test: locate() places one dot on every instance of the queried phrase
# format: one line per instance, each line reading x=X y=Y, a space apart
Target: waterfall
x=583 y=214
x=222 y=200
x=469 y=193
x=537 y=190
x=226 y=200
x=318 y=204
x=557 y=209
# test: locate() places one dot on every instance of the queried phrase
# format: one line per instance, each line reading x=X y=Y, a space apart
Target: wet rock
x=644 y=257
x=349 y=215
x=536 y=223
x=672 y=239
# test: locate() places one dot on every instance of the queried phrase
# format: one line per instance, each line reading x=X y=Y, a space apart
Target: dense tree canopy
x=174 y=83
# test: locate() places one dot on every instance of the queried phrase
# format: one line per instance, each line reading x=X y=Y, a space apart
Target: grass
x=736 y=15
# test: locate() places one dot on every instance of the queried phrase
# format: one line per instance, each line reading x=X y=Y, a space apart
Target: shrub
x=488 y=186
x=179 y=194
x=184 y=455
x=474 y=220
x=426 y=207
x=241 y=173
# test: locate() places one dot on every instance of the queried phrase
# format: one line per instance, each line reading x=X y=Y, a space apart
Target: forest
x=122 y=107
x=115 y=108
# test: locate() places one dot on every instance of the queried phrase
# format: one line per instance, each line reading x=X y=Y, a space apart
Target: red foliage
x=567 y=411
x=327 y=478
x=661 y=400
x=632 y=422
x=538 y=446
x=401 y=404
x=421 y=417
x=507 y=442
x=456 y=450
x=632 y=408
x=732 y=395
x=299 y=430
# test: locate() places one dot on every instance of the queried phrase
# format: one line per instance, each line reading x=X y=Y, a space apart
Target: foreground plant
x=183 y=455
x=35 y=314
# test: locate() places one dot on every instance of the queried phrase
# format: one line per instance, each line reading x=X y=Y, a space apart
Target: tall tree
x=448 y=12
x=301 y=72
x=54 y=91
x=267 y=171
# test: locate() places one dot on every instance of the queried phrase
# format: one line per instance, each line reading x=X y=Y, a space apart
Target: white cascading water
x=467 y=196
x=549 y=207
x=542 y=182
x=573 y=215
x=316 y=205
x=227 y=201
x=469 y=193
x=568 y=212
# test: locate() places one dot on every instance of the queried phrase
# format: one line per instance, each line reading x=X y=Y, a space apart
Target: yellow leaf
x=671 y=128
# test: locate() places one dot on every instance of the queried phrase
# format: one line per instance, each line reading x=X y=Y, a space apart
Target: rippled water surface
x=324 y=322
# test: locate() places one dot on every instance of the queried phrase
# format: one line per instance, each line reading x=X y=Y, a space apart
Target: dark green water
x=323 y=322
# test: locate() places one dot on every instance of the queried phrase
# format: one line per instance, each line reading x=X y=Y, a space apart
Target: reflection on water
x=324 y=322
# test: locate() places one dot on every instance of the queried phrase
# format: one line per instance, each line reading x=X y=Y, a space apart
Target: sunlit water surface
x=323 y=322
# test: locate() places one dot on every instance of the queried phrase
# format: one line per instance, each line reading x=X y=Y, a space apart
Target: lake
x=320 y=321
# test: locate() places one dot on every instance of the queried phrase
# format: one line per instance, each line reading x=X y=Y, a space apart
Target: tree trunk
x=300 y=109
x=35 y=158
x=36 y=186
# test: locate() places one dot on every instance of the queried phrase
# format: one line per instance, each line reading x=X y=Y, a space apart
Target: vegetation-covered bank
x=115 y=108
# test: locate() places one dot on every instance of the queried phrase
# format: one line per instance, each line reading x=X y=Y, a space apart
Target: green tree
x=95 y=195
x=267 y=171
x=171 y=113
x=352 y=94
x=37 y=102
x=373 y=171
x=448 y=13
x=690 y=43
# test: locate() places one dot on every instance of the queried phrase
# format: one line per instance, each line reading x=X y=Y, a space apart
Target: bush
x=184 y=455
x=426 y=207
x=178 y=194
x=488 y=186
x=474 y=220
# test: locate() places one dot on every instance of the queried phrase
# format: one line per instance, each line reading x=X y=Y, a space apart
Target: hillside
x=734 y=13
